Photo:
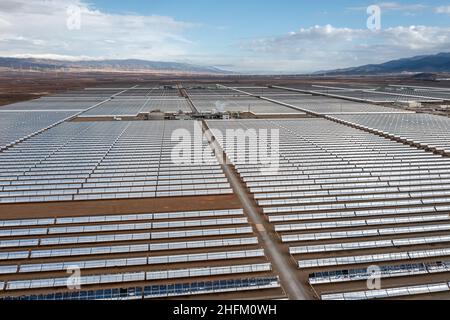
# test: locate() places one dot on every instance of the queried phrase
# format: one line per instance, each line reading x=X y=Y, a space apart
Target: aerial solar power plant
x=245 y=176
x=91 y=184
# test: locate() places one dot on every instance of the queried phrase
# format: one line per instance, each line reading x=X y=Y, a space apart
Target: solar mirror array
x=88 y=184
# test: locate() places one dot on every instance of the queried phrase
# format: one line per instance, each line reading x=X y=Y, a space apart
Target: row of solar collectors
x=359 y=223
x=375 y=258
x=108 y=160
x=132 y=107
x=377 y=97
x=421 y=129
x=398 y=292
x=150 y=92
x=365 y=245
x=261 y=91
x=384 y=272
x=422 y=93
x=248 y=104
x=194 y=92
x=17 y=126
x=349 y=86
x=422 y=88
x=330 y=176
x=97 y=94
x=52 y=104
x=272 y=93
x=138 y=92
x=94 y=91
x=167 y=105
x=119 y=218
x=289 y=96
x=117 y=107
x=162 y=291
x=323 y=105
x=217 y=97
x=325 y=89
x=149 y=95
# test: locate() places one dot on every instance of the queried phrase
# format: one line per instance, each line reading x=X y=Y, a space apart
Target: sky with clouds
x=250 y=36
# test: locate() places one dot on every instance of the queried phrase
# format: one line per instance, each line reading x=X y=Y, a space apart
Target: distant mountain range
x=439 y=63
x=131 y=65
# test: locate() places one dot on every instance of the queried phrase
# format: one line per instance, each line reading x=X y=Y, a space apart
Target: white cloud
x=395 y=6
x=443 y=9
x=391 y=6
x=39 y=27
x=327 y=47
